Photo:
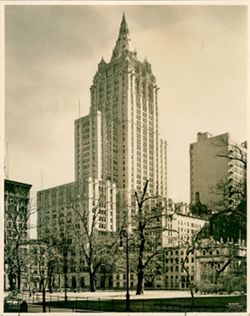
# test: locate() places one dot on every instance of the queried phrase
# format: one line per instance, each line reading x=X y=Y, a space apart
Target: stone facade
x=119 y=139
x=220 y=263
x=17 y=213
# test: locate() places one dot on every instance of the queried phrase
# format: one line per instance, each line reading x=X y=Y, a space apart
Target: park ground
x=150 y=301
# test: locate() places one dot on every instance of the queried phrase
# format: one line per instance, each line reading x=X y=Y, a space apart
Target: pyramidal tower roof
x=123 y=43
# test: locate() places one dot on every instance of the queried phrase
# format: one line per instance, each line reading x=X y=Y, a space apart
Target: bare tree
x=153 y=270
x=98 y=247
x=227 y=220
x=62 y=241
x=230 y=214
x=219 y=257
x=220 y=261
x=190 y=248
x=18 y=211
x=235 y=153
x=43 y=256
x=147 y=228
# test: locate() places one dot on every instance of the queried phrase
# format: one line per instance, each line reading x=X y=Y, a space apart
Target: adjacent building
x=181 y=224
x=60 y=211
x=60 y=203
x=217 y=165
x=183 y=227
x=221 y=266
x=17 y=213
x=37 y=266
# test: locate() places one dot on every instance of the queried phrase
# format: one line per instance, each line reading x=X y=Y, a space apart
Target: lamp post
x=43 y=291
x=127 y=272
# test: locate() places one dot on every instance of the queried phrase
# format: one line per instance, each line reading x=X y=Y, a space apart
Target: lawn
x=202 y=304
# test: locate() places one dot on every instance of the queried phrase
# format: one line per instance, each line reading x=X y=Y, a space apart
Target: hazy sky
x=198 y=55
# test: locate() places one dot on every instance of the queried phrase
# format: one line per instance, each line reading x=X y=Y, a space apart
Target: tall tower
x=119 y=139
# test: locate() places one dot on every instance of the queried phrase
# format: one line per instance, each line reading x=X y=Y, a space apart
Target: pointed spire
x=123 y=17
x=102 y=61
x=123 y=26
x=123 y=43
x=102 y=64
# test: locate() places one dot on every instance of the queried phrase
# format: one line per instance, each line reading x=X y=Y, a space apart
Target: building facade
x=181 y=224
x=221 y=266
x=183 y=227
x=57 y=203
x=60 y=211
x=17 y=213
x=117 y=149
x=216 y=164
x=37 y=265
x=117 y=144
x=119 y=139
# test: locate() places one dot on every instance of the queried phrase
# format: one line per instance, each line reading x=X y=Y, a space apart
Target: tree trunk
x=11 y=280
x=140 y=272
x=19 y=277
x=140 y=267
x=44 y=296
x=192 y=293
x=50 y=284
x=59 y=279
x=91 y=280
x=65 y=268
x=18 y=266
x=189 y=283
x=50 y=276
x=140 y=277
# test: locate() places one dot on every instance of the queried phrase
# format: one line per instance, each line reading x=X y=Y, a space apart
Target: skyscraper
x=119 y=139
x=117 y=148
x=117 y=145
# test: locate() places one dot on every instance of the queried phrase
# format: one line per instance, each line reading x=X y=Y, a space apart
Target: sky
x=198 y=55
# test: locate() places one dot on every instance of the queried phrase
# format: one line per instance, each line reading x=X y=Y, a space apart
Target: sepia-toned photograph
x=125 y=158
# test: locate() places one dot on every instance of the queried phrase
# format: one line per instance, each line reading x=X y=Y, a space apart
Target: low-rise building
x=183 y=229
x=62 y=211
x=37 y=265
x=220 y=266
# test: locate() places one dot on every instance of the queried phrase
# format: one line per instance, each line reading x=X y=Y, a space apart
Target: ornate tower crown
x=123 y=44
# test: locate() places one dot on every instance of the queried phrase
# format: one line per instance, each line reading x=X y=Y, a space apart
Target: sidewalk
x=148 y=294
x=121 y=294
x=59 y=296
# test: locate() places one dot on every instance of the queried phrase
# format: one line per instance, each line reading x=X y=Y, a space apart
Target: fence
x=56 y=302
